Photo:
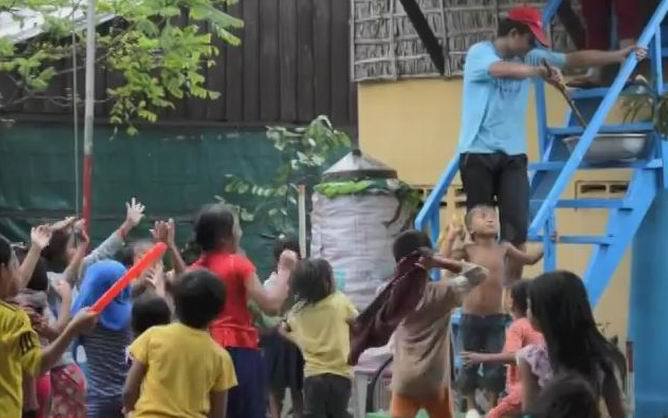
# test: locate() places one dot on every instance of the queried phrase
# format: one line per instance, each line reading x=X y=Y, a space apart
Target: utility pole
x=89 y=113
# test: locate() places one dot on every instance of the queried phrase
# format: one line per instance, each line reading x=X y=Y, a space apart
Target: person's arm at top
x=447 y=248
x=114 y=243
x=524 y=257
x=82 y=322
x=271 y=300
x=166 y=232
x=132 y=387
x=39 y=238
x=596 y=58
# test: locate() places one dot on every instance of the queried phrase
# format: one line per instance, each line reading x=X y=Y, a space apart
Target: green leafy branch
x=159 y=60
x=303 y=153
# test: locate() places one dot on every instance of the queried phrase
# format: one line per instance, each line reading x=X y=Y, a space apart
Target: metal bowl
x=612 y=147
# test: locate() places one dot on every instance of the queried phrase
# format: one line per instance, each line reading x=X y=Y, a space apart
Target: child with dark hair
x=568 y=396
x=483 y=320
x=67 y=261
x=22 y=352
x=559 y=308
x=218 y=233
x=284 y=360
x=319 y=324
x=148 y=311
x=519 y=334
x=421 y=370
x=178 y=370
x=105 y=345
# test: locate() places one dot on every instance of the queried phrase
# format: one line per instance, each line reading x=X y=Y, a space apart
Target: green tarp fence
x=173 y=171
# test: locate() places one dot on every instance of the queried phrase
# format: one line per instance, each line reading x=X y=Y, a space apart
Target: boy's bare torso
x=487 y=298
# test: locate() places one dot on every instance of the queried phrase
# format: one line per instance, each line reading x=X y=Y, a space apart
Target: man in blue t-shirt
x=492 y=139
x=492 y=143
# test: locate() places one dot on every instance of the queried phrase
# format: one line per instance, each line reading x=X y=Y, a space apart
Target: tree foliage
x=159 y=59
x=303 y=153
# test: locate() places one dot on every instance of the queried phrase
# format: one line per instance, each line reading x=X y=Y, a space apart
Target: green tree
x=303 y=151
x=159 y=60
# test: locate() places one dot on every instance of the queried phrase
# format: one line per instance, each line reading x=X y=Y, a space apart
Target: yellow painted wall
x=413 y=126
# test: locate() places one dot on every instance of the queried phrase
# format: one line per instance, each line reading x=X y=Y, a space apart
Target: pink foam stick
x=135 y=271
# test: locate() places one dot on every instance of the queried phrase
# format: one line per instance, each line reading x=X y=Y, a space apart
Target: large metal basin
x=612 y=147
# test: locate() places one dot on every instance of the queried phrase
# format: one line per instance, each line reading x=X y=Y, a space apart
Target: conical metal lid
x=356 y=166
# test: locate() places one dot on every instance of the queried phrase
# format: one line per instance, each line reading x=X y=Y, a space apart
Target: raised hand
x=135 y=212
x=40 y=236
x=84 y=321
x=63 y=224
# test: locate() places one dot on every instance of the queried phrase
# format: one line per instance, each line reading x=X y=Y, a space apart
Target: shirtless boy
x=483 y=320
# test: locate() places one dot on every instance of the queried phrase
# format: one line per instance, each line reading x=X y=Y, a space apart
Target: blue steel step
x=588 y=203
x=579 y=239
x=639 y=127
x=600 y=92
x=558 y=165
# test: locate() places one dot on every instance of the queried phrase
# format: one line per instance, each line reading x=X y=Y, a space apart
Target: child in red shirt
x=217 y=232
x=520 y=334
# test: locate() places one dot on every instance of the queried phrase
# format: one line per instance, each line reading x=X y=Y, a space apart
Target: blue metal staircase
x=550 y=176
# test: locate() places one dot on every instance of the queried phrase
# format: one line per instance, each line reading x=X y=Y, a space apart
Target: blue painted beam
x=433 y=202
x=589 y=203
x=638 y=127
x=558 y=165
x=578 y=239
x=596 y=122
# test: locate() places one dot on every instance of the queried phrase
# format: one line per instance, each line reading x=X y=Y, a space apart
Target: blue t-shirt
x=494 y=109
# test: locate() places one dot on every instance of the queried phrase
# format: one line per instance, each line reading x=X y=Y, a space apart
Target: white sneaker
x=472 y=413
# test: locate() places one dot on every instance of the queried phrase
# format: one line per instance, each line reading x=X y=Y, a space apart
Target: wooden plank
x=232 y=59
x=287 y=39
x=322 y=45
x=341 y=85
x=305 y=66
x=215 y=80
x=269 y=65
x=251 y=69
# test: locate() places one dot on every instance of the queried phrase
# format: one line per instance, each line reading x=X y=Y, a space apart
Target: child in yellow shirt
x=178 y=370
x=319 y=324
x=19 y=343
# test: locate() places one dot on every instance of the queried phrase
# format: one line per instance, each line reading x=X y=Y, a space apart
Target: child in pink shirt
x=520 y=334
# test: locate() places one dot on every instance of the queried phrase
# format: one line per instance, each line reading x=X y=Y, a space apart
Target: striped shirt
x=107 y=368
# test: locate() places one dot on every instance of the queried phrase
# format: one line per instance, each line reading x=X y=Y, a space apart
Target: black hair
x=214 y=224
x=519 y=293
x=147 y=311
x=568 y=396
x=409 y=242
x=55 y=253
x=5 y=251
x=312 y=280
x=507 y=25
x=285 y=243
x=199 y=297
x=560 y=307
x=39 y=280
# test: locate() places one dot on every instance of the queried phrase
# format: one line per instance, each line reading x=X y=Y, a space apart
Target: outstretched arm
x=271 y=300
x=39 y=239
x=526 y=258
x=478 y=358
x=595 y=58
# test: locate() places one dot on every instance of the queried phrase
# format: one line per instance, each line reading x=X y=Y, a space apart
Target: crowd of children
x=182 y=343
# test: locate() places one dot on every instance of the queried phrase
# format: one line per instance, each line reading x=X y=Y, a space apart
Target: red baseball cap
x=531 y=17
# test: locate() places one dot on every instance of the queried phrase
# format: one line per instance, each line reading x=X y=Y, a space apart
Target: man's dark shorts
x=504 y=177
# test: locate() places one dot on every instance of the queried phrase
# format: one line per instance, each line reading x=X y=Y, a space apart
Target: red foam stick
x=135 y=271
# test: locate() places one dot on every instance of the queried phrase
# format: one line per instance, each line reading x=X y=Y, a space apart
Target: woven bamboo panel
x=385 y=45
